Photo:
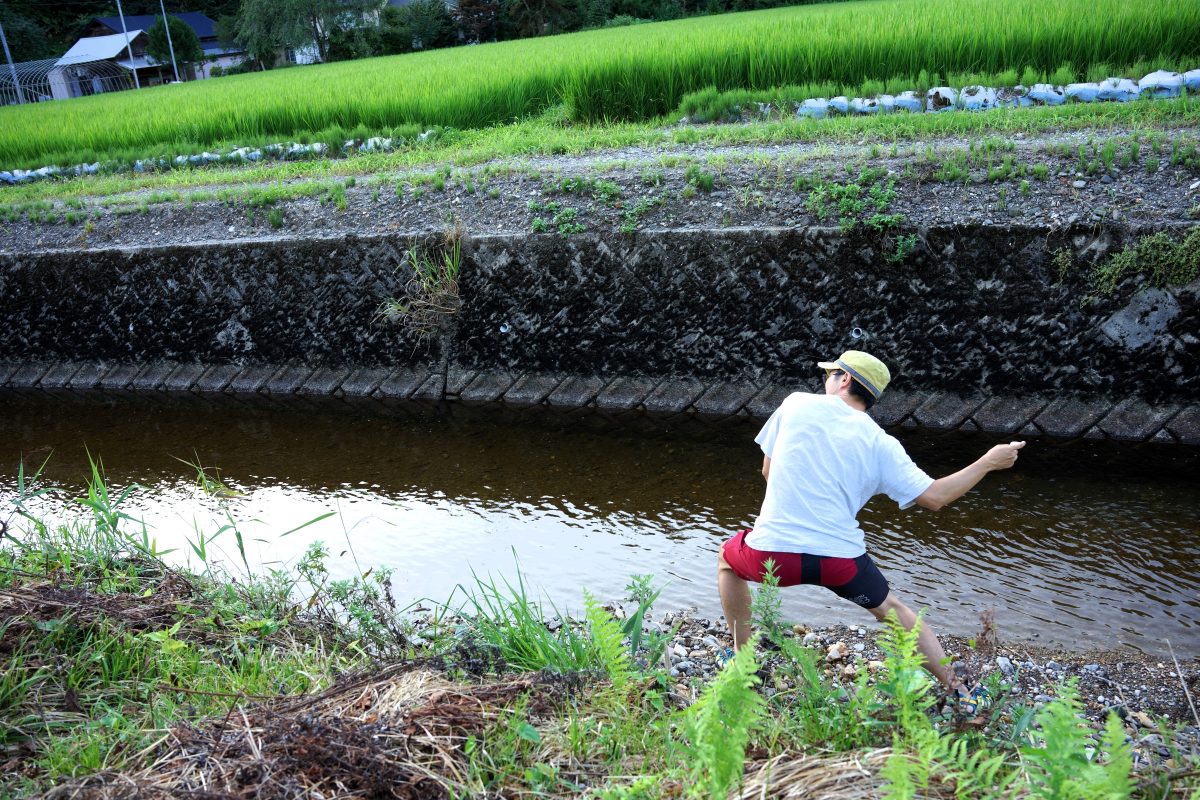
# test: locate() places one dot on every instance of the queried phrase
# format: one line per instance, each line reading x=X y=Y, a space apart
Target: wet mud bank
x=983 y=328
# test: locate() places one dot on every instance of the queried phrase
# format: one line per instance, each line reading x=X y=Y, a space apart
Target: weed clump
x=431 y=293
x=1164 y=261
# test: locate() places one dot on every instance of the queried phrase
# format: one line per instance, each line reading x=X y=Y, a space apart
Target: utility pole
x=12 y=68
x=171 y=47
x=128 y=47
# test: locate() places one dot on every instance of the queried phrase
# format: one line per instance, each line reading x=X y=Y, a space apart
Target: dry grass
x=396 y=734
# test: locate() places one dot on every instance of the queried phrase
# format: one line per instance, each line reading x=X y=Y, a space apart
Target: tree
x=264 y=27
x=430 y=23
x=184 y=41
x=477 y=19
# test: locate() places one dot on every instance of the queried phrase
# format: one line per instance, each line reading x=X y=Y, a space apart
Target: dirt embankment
x=1107 y=177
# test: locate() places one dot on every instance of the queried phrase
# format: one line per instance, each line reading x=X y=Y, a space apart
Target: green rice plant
x=605 y=75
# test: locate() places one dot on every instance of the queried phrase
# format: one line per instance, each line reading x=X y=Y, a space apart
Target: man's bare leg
x=927 y=641
x=735 y=600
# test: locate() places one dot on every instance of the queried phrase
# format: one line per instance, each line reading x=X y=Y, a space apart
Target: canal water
x=1085 y=544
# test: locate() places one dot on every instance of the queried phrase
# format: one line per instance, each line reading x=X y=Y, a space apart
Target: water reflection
x=1084 y=544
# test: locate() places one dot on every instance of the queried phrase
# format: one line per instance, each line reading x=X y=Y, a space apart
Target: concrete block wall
x=980 y=330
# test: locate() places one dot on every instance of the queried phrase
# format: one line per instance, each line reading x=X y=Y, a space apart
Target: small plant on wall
x=430 y=295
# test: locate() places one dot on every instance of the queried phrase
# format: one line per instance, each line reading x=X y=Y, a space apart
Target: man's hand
x=1002 y=456
x=950 y=488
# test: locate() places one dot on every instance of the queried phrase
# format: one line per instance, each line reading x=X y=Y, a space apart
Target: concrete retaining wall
x=980 y=330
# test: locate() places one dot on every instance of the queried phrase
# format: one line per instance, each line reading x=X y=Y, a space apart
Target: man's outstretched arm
x=946 y=490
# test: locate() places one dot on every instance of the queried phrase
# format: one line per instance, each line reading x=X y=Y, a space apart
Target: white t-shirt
x=827 y=461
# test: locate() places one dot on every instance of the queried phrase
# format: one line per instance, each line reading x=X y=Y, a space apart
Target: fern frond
x=719 y=725
x=607 y=640
x=1118 y=772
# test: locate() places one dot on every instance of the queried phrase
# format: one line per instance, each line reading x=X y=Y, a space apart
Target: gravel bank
x=1049 y=181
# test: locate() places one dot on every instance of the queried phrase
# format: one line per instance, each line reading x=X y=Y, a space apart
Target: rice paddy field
x=636 y=73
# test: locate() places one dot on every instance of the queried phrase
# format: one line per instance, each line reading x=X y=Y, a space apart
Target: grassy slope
x=631 y=73
x=548 y=136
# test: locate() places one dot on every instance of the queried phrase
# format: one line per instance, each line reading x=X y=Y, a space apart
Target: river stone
x=1144 y=320
x=1005 y=665
x=674 y=396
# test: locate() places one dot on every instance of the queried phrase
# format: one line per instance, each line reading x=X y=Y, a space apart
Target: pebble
x=1005 y=665
x=1054 y=666
x=1079 y=184
x=837 y=652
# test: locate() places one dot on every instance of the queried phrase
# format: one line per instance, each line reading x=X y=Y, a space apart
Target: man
x=824 y=458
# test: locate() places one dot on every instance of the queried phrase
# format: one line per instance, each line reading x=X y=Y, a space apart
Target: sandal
x=974 y=701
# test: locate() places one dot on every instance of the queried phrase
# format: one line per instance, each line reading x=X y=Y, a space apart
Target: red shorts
x=856 y=579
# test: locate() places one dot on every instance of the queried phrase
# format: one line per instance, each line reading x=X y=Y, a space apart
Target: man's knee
x=890 y=603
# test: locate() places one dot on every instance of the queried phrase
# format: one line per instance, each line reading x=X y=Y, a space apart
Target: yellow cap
x=865 y=368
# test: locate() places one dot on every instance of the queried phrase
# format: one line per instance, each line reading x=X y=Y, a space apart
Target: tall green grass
x=627 y=73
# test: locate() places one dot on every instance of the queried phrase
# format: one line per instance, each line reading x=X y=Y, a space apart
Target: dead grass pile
x=399 y=734
x=848 y=776
x=23 y=608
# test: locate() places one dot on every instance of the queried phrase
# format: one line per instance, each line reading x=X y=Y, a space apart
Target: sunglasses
x=829 y=373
